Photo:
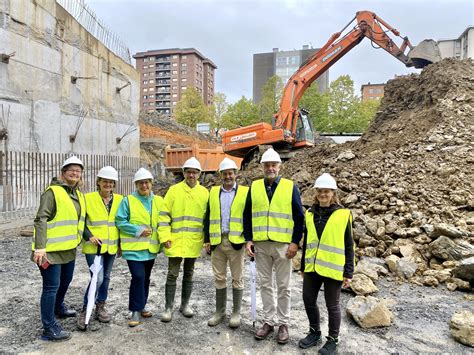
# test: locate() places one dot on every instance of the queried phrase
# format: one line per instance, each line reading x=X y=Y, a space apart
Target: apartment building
x=460 y=48
x=165 y=74
x=372 y=91
x=283 y=64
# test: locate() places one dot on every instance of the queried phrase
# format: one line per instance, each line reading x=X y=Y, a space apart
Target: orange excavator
x=291 y=128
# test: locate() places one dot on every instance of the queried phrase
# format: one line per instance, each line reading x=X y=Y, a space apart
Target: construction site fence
x=25 y=175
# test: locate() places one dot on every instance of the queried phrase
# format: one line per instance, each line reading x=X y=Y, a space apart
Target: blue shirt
x=226 y=197
x=122 y=221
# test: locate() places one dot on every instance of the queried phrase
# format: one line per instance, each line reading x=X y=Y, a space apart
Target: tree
x=342 y=105
x=190 y=109
x=218 y=109
x=271 y=96
x=339 y=109
x=317 y=105
x=242 y=113
x=366 y=111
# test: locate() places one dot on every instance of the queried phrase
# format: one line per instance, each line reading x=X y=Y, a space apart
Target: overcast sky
x=229 y=32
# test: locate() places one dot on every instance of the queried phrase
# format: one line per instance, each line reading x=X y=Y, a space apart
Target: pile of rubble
x=409 y=179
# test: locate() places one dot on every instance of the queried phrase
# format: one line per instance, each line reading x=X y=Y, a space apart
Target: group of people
x=229 y=221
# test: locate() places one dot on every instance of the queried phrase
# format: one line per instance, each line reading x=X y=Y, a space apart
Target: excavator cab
x=304 y=130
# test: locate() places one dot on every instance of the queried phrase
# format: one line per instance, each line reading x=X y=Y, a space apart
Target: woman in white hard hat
x=59 y=224
x=101 y=233
x=137 y=220
x=328 y=258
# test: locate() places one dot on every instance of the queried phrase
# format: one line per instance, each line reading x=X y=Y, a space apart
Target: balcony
x=162 y=59
x=163 y=74
x=163 y=90
x=162 y=82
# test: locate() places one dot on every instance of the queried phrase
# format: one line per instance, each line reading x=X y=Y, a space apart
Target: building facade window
x=145 y=82
x=184 y=65
x=184 y=79
x=183 y=72
x=175 y=64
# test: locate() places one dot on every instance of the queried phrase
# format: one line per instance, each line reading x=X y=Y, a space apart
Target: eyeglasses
x=74 y=171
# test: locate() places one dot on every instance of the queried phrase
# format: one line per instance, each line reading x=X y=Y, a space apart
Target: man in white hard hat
x=273 y=227
x=181 y=231
x=224 y=240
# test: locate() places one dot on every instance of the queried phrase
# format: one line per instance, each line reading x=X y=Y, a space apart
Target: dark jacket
x=321 y=216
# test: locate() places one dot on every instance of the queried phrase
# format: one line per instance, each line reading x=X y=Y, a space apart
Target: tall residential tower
x=166 y=73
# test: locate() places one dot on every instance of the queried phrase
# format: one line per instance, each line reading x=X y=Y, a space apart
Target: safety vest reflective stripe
x=232 y=219
x=272 y=220
x=63 y=239
x=187 y=218
x=272 y=214
x=186 y=229
x=105 y=242
x=164 y=213
x=101 y=223
x=272 y=229
x=146 y=240
x=324 y=263
x=164 y=224
x=72 y=222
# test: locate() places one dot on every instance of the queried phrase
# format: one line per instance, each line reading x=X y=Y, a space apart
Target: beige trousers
x=225 y=254
x=271 y=256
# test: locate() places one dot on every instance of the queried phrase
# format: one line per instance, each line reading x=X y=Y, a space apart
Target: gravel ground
x=420 y=325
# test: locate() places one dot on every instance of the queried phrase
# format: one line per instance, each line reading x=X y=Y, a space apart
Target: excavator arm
x=368 y=25
x=292 y=128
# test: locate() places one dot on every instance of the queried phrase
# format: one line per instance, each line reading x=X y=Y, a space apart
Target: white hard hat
x=325 y=181
x=108 y=172
x=72 y=160
x=142 y=174
x=270 y=156
x=227 y=164
x=192 y=163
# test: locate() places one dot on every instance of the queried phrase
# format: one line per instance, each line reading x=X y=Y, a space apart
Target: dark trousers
x=140 y=284
x=56 y=280
x=103 y=279
x=332 y=290
x=173 y=270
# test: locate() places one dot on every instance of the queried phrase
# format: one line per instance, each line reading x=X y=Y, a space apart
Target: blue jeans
x=103 y=278
x=56 y=280
x=140 y=284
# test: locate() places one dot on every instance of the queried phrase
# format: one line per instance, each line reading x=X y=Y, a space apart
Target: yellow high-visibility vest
x=141 y=217
x=101 y=223
x=272 y=220
x=236 y=225
x=326 y=255
x=182 y=220
x=64 y=231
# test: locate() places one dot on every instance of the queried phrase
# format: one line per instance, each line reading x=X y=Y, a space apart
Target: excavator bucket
x=425 y=53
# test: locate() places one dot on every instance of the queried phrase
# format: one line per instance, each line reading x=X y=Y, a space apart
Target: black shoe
x=313 y=338
x=330 y=347
x=55 y=333
x=65 y=313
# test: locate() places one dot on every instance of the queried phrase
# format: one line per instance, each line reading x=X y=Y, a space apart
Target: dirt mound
x=416 y=104
x=411 y=173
